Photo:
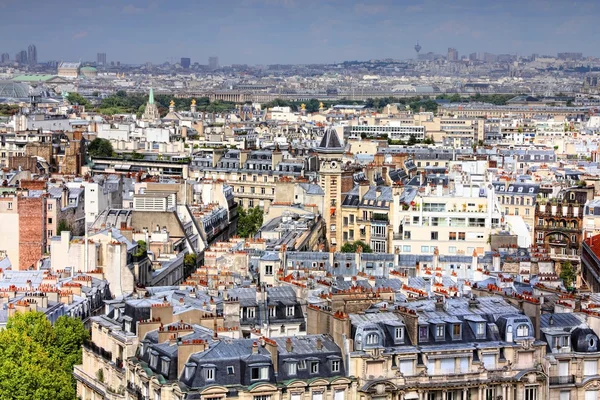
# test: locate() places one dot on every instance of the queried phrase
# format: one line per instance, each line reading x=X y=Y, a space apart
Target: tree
x=77 y=99
x=189 y=263
x=100 y=148
x=352 y=247
x=63 y=226
x=412 y=140
x=36 y=358
x=567 y=274
x=249 y=221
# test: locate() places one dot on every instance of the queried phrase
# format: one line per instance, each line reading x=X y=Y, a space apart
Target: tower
x=32 y=54
x=335 y=180
x=417 y=48
x=193 y=106
x=151 y=112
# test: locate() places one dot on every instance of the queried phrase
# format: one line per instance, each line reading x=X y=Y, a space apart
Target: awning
x=333 y=241
x=361 y=226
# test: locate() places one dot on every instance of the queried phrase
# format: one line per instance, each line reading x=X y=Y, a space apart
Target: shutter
x=447 y=366
x=590 y=367
x=591 y=395
x=406 y=367
x=464 y=364
x=431 y=367
x=489 y=361
x=563 y=368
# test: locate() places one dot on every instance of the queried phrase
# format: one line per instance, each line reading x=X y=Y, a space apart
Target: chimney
x=255 y=348
x=289 y=347
x=319 y=344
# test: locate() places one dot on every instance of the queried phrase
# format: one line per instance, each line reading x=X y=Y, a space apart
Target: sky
x=294 y=31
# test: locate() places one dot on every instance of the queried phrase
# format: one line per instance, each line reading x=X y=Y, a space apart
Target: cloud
x=372 y=9
x=80 y=34
x=131 y=9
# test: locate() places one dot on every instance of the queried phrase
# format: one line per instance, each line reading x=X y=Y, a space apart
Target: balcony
x=562 y=380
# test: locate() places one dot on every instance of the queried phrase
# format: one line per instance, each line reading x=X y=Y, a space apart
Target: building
x=590 y=262
x=393 y=131
x=4 y=58
x=213 y=63
x=68 y=69
x=559 y=223
x=452 y=54
x=101 y=59
x=151 y=113
x=21 y=57
x=32 y=54
x=455 y=348
x=25 y=235
x=185 y=62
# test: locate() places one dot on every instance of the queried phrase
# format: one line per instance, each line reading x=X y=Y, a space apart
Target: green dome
x=88 y=69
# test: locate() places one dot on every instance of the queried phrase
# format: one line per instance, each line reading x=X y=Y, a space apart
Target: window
x=372 y=339
x=250 y=312
x=523 y=330
x=49 y=220
x=480 y=329
x=292 y=368
x=262 y=397
x=209 y=374
x=452 y=236
x=189 y=370
x=272 y=312
x=268 y=270
x=423 y=332
x=531 y=393
x=565 y=395
x=407 y=367
x=335 y=366
x=10 y=205
x=456 y=331
x=489 y=361
x=590 y=367
x=461 y=236
x=339 y=395
x=230 y=370
x=406 y=249
x=434 y=236
x=314 y=367
x=49 y=207
x=452 y=249
x=259 y=373
x=317 y=396
x=289 y=311
x=399 y=333
x=165 y=367
x=302 y=364
x=406 y=234
x=424 y=249
x=49 y=232
x=439 y=331
x=591 y=394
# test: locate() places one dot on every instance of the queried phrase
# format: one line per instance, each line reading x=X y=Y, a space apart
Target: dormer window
x=314 y=367
x=439 y=332
x=259 y=373
x=289 y=311
x=153 y=359
x=292 y=369
x=399 y=333
x=190 y=368
x=423 y=333
x=335 y=366
x=372 y=339
x=523 y=330
x=480 y=330
x=164 y=368
x=209 y=374
x=456 y=331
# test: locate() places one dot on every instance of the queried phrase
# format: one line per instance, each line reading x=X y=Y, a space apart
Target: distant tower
x=417 y=48
x=32 y=54
x=151 y=112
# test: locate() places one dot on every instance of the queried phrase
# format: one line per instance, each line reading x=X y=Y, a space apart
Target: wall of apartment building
x=9 y=234
x=32 y=230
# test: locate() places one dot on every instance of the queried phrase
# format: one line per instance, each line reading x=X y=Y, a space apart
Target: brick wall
x=32 y=230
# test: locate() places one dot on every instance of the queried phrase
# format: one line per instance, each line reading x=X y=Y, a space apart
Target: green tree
x=249 y=222
x=412 y=140
x=100 y=148
x=77 y=99
x=567 y=274
x=352 y=247
x=189 y=263
x=63 y=226
x=36 y=358
x=142 y=248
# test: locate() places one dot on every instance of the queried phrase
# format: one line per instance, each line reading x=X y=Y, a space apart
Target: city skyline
x=293 y=32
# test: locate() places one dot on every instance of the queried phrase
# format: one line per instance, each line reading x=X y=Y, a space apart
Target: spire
x=151 y=96
x=330 y=142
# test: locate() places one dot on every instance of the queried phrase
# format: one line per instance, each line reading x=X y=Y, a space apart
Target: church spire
x=151 y=96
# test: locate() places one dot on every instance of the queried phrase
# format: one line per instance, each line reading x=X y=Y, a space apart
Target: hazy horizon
x=293 y=31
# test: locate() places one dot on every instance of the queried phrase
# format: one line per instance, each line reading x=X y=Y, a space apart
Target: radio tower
x=417 y=48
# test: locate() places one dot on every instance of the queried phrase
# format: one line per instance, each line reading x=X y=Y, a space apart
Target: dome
x=10 y=89
x=88 y=69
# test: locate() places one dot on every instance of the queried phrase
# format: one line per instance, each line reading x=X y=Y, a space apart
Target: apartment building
x=455 y=348
x=457 y=222
x=518 y=199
